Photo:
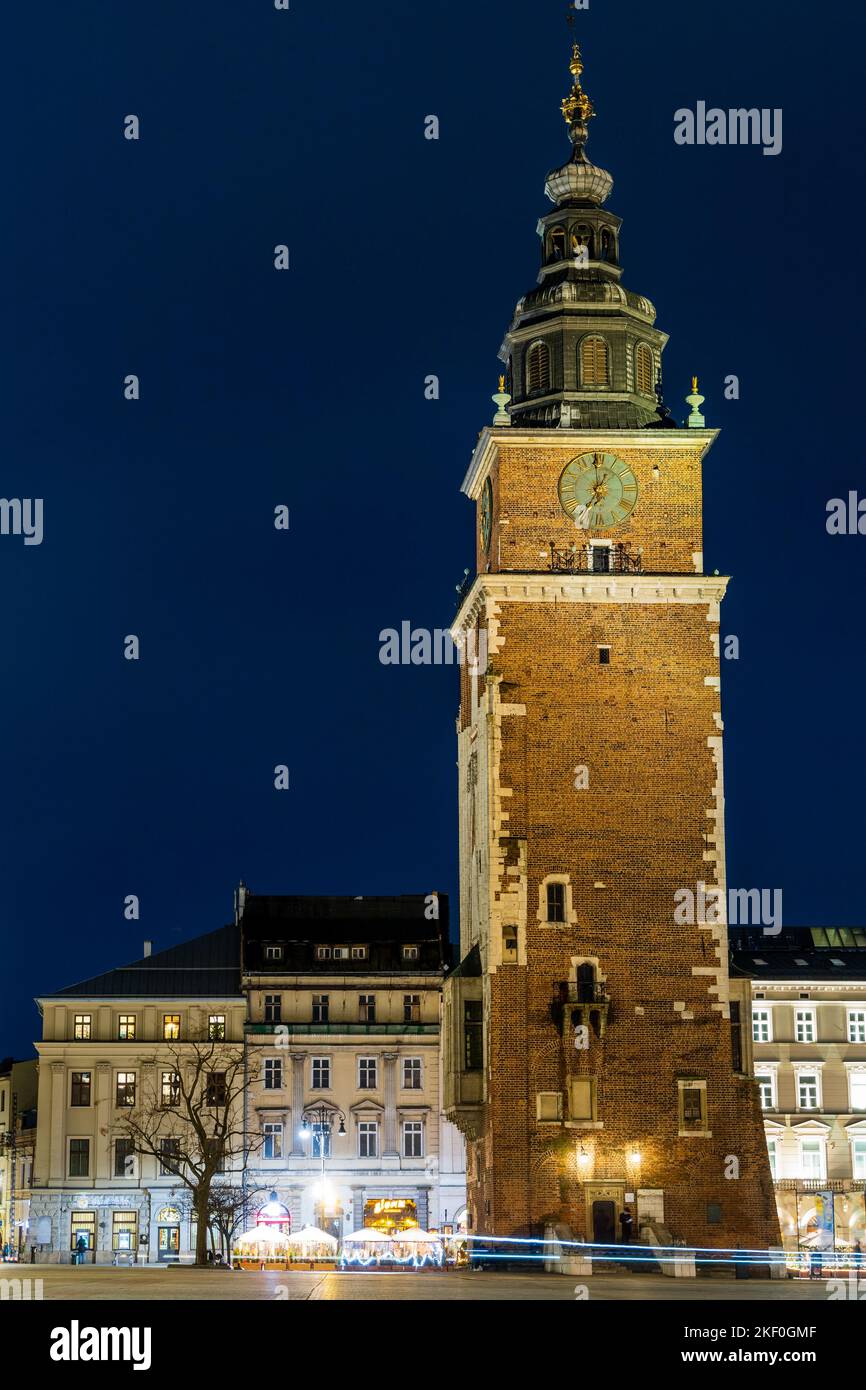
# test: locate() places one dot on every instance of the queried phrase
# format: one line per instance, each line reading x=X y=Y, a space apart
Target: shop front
x=823 y=1224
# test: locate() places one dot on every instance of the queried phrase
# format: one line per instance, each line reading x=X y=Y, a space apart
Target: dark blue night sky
x=307 y=388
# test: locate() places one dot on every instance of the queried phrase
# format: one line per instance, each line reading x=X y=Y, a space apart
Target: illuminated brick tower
x=594 y=1052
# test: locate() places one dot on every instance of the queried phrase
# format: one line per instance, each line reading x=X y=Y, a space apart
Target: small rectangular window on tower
x=556 y=902
x=604 y=656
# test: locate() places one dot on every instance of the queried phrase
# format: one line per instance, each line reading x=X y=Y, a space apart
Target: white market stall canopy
x=261 y=1235
x=311 y=1235
x=413 y=1235
x=366 y=1236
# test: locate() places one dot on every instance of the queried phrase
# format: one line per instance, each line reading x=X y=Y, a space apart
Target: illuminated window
x=126 y=1027
x=125 y=1089
x=321 y=1140
x=81 y=1031
x=593 y=362
x=808 y=1090
x=643 y=369
x=171 y=1027
x=858 y=1158
x=124 y=1230
x=773 y=1155
x=169 y=1088
x=538 y=369
x=216 y=1028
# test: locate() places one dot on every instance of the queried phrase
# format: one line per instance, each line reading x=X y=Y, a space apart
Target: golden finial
x=694 y=383
x=502 y=383
x=577 y=105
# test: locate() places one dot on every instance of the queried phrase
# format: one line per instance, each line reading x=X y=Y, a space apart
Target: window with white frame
x=321 y=1140
x=413 y=1139
x=359 y=953
x=812 y=1158
x=857 y=1088
x=273 y=953
x=273 y=1008
x=366 y=1008
x=808 y=1090
x=273 y=1139
x=273 y=1073
x=411 y=952
x=773 y=1155
x=321 y=1077
x=858 y=1158
x=411 y=1073
x=767 y=1089
x=857 y=1025
x=762 y=1025
x=368 y=1138
x=367 y=1069
x=82 y=1027
x=804 y=1025
x=323 y=953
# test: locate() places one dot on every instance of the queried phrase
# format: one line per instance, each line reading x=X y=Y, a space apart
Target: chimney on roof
x=148 y=947
x=240 y=901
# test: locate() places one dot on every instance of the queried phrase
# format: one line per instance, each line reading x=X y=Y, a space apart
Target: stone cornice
x=572 y=442
x=555 y=587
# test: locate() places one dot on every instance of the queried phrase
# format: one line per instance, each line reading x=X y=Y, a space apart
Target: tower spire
x=577 y=108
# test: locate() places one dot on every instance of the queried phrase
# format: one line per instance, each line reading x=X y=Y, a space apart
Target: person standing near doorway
x=626 y=1225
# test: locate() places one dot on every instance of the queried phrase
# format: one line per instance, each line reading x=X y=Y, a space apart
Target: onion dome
x=578 y=181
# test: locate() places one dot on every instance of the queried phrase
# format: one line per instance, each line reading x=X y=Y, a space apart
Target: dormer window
x=359 y=953
x=323 y=953
x=537 y=369
x=556 y=244
x=411 y=952
x=273 y=953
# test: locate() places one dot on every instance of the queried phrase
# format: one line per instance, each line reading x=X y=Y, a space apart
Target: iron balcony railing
x=596 y=559
x=582 y=992
x=820 y=1185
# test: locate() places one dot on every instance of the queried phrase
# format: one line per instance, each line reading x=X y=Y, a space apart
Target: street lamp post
x=323 y=1116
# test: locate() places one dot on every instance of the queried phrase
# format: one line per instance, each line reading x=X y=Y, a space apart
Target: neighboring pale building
x=105 y=1043
x=110 y=1046
x=344 y=1021
x=18 y=1082
x=808 y=1044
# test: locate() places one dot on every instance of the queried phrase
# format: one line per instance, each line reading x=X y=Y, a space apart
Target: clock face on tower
x=597 y=490
x=486 y=514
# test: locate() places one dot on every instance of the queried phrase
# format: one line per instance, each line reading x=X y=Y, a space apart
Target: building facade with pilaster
x=344 y=998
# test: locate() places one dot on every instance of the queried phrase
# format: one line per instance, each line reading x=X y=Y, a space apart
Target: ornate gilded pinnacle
x=577 y=107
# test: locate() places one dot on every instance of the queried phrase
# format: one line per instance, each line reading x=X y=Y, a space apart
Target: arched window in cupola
x=538 y=369
x=556 y=244
x=594 y=362
x=608 y=246
x=582 y=242
x=643 y=369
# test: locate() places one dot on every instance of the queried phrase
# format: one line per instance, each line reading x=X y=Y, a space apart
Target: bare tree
x=191 y=1119
x=226 y=1206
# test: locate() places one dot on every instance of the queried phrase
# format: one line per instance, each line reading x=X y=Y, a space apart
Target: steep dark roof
x=207 y=966
x=384 y=925
x=798 y=953
x=470 y=965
